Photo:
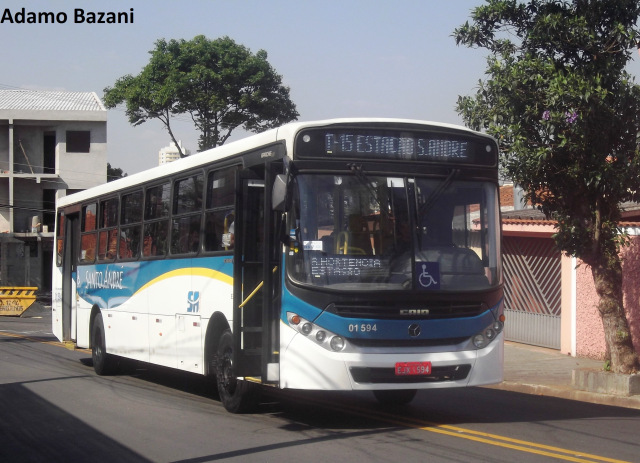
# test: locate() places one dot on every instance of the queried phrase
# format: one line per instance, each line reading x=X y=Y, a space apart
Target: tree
x=219 y=83
x=567 y=116
x=114 y=173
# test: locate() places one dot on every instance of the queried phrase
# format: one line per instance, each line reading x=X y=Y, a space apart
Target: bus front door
x=248 y=291
x=256 y=257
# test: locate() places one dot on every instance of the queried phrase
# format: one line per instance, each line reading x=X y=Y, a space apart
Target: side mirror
x=279 y=193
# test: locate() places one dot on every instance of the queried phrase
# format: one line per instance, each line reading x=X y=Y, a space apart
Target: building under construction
x=51 y=144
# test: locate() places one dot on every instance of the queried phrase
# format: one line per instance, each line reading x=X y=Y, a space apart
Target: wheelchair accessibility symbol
x=428 y=274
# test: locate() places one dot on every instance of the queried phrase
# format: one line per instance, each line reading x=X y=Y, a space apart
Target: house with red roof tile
x=550 y=298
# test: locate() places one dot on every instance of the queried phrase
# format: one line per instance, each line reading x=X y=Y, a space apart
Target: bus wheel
x=397 y=397
x=236 y=395
x=103 y=363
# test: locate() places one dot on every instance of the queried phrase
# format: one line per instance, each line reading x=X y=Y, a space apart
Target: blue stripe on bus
x=101 y=283
x=362 y=328
x=388 y=329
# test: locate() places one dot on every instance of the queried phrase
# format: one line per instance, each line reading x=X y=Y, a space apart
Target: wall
x=4 y=147
x=589 y=331
x=5 y=213
x=79 y=169
x=23 y=263
x=631 y=288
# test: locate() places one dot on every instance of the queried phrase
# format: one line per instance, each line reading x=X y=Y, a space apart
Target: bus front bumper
x=305 y=365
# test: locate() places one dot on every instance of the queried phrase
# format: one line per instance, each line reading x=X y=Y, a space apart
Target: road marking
x=40 y=340
x=477 y=436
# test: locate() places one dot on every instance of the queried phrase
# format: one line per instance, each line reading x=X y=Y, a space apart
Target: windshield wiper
x=435 y=195
x=362 y=177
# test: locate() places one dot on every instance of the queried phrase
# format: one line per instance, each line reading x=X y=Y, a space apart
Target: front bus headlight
x=320 y=336
x=488 y=334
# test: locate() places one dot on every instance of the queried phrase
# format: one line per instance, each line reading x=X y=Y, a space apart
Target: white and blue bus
x=346 y=254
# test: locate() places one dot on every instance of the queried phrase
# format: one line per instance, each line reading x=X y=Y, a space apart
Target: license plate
x=413 y=368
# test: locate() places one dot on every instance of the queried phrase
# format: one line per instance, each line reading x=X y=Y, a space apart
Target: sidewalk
x=540 y=371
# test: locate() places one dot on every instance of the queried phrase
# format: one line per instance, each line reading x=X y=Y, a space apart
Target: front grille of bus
x=439 y=310
x=407 y=342
x=364 y=375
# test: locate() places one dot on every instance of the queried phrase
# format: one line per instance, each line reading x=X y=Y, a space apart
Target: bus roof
x=285 y=133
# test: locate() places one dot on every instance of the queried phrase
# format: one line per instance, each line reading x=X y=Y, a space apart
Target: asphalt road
x=55 y=408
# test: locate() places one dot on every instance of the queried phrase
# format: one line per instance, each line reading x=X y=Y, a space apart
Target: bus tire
x=103 y=363
x=236 y=395
x=395 y=397
x=211 y=357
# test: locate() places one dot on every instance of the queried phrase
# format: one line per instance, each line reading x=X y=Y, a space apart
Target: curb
x=570 y=394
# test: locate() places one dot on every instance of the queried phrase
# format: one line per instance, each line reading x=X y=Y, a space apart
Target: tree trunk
x=607 y=276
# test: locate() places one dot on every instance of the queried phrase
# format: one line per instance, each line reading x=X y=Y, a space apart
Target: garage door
x=532 y=272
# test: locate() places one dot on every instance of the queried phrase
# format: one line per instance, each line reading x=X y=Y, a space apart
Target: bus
x=337 y=255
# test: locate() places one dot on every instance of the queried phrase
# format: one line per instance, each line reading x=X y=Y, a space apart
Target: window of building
x=78 y=141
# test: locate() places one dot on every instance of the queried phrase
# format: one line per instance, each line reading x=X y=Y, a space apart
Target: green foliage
x=114 y=173
x=220 y=84
x=567 y=117
x=563 y=108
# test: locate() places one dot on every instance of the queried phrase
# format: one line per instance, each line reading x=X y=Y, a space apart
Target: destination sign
x=374 y=144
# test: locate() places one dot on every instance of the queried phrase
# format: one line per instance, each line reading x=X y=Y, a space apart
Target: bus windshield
x=358 y=232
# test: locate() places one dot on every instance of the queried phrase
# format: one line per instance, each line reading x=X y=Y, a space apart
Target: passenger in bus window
x=228 y=238
x=194 y=240
x=112 y=244
x=148 y=245
x=190 y=242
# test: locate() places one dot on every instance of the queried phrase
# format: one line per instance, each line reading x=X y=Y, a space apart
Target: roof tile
x=34 y=100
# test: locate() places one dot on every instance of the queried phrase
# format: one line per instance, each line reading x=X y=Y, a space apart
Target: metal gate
x=532 y=272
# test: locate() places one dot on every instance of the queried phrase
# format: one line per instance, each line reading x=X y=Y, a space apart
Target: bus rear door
x=69 y=277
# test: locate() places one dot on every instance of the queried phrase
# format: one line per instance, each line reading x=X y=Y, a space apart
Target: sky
x=340 y=58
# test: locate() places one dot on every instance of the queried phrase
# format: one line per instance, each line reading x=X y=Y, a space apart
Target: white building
x=51 y=144
x=170 y=153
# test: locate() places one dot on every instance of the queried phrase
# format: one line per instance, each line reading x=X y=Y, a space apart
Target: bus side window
x=156 y=220
x=59 y=238
x=129 y=247
x=107 y=238
x=185 y=235
x=130 y=235
x=89 y=238
x=187 y=214
x=154 y=243
x=219 y=215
